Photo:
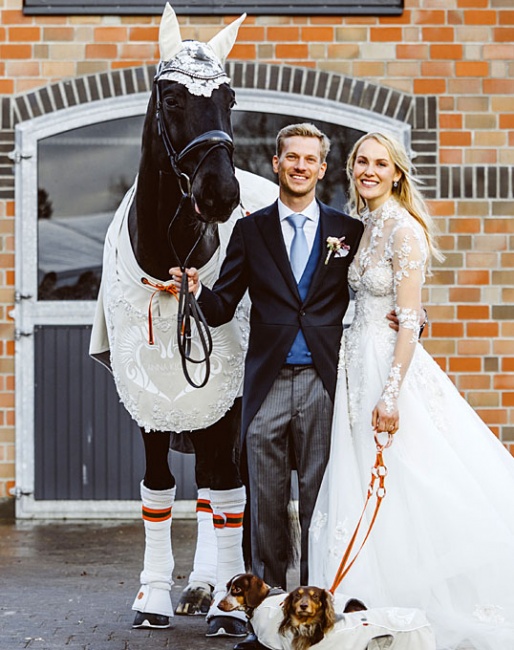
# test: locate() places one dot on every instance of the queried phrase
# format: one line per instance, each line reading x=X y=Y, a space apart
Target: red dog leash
x=376 y=487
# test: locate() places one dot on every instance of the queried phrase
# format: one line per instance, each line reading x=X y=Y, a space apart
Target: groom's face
x=299 y=166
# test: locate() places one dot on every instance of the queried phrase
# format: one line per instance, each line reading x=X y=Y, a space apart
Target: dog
x=309 y=614
x=245 y=592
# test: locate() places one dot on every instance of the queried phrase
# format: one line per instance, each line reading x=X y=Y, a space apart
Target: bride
x=443 y=540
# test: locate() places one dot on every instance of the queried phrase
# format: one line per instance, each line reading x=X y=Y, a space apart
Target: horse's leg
x=217 y=460
x=197 y=595
x=153 y=602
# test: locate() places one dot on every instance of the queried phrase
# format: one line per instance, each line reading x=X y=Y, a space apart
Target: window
x=212 y=7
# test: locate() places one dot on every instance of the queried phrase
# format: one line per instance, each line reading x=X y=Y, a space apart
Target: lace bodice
x=387 y=273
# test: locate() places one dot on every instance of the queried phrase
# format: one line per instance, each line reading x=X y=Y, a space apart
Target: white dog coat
x=387 y=628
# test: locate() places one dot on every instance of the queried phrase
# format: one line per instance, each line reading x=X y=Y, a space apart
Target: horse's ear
x=170 y=40
x=224 y=41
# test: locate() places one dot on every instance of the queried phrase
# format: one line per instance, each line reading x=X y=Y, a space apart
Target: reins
x=377 y=489
x=189 y=316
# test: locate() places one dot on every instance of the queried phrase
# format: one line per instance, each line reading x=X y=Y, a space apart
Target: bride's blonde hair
x=406 y=192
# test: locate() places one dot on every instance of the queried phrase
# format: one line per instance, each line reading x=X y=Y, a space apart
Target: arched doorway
x=78 y=453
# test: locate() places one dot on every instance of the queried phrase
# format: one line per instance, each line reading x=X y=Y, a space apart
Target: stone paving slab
x=70 y=586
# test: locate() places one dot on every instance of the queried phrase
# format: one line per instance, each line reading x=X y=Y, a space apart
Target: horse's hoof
x=195 y=600
x=156 y=621
x=226 y=626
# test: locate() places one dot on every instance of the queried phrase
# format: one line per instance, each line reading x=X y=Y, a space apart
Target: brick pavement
x=70 y=586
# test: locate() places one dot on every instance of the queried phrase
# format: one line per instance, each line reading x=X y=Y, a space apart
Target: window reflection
x=84 y=173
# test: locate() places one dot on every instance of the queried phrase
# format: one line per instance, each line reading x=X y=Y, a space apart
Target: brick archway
x=418 y=112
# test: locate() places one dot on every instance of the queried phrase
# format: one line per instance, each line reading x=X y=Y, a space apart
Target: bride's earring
x=395 y=184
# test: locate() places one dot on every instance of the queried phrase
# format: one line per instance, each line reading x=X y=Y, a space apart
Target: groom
x=299 y=296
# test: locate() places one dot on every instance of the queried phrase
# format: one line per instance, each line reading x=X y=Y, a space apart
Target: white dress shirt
x=310 y=227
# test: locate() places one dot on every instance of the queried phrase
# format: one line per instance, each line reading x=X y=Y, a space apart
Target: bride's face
x=374 y=173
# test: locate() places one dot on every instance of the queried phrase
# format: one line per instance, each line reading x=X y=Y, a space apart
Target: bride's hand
x=383 y=420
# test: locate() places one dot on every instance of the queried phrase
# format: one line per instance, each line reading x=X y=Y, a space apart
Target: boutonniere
x=337 y=247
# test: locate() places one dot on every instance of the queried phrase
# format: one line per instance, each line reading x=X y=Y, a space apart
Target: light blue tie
x=299 y=253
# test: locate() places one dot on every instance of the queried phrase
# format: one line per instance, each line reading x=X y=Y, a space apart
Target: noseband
x=188 y=308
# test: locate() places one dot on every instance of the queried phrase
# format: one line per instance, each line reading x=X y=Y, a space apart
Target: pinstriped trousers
x=293 y=425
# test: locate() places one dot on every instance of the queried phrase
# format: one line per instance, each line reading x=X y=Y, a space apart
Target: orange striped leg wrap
x=205 y=560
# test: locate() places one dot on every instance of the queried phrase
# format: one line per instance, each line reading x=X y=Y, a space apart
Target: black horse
x=185 y=188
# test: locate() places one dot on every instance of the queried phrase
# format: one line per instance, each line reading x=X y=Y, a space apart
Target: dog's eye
x=236 y=590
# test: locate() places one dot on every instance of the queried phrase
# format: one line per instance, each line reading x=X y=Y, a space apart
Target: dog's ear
x=328 y=610
x=286 y=607
x=257 y=591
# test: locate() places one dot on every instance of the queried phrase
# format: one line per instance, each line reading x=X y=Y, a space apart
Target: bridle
x=189 y=311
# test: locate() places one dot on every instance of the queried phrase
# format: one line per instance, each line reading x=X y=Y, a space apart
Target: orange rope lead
x=376 y=487
x=168 y=288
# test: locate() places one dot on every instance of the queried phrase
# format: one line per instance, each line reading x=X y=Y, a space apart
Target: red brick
x=473 y=277
x=455 y=138
x=482 y=329
x=465 y=294
x=317 y=34
x=480 y=17
x=294 y=51
x=278 y=34
x=386 y=34
x=506 y=17
x=31 y=34
x=465 y=364
x=15 y=51
x=463 y=225
x=503 y=381
x=450 y=120
x=472 y=68
x=410 y=51
x=503 y=35
x=438 y=34
x=429 y=86
x=498 y=86
x=507 y=399
x=473 y=312
x=446 y=52
x=450 y=330
x=148 y=34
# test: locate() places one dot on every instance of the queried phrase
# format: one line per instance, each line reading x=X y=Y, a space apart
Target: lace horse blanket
x=149 y=378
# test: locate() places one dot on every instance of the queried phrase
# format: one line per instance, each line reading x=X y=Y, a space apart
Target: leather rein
x=189 y=316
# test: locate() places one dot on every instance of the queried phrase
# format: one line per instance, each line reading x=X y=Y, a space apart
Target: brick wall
x=448 y=63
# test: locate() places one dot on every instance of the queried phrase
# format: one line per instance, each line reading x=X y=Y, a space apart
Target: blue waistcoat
x=299 y=354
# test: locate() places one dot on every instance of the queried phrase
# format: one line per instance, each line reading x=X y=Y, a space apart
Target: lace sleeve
x=409 y=255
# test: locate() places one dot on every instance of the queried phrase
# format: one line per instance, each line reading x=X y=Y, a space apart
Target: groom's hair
x=304 y=130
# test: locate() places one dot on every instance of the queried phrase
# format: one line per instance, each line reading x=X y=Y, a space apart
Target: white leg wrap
x=228 y=509
x=156 y=577
x=204 y=564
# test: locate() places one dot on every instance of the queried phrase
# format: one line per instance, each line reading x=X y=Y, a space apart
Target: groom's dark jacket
x=257 y=260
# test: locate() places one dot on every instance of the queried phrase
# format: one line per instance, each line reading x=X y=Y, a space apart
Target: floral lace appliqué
x=409 y=318
x=392 y=388
x=489 y=614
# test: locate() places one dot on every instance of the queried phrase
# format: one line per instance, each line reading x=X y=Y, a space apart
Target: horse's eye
x=171 y=103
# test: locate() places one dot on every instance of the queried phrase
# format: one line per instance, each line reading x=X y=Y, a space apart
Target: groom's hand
x=192 y=277
x=395 y=325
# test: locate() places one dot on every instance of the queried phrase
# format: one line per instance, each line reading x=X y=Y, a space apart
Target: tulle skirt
x=443 y=541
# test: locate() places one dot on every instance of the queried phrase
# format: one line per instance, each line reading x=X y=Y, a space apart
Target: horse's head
x=191 y=118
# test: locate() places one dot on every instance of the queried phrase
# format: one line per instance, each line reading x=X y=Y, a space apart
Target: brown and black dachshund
x=309 y=614
x=244 y=592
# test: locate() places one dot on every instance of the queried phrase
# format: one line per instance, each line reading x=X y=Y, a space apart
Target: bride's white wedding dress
x=444 y=537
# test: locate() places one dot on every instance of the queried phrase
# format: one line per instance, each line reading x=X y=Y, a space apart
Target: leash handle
x=378 y=475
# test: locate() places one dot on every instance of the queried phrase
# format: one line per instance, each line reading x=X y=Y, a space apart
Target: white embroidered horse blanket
x=149 y=378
